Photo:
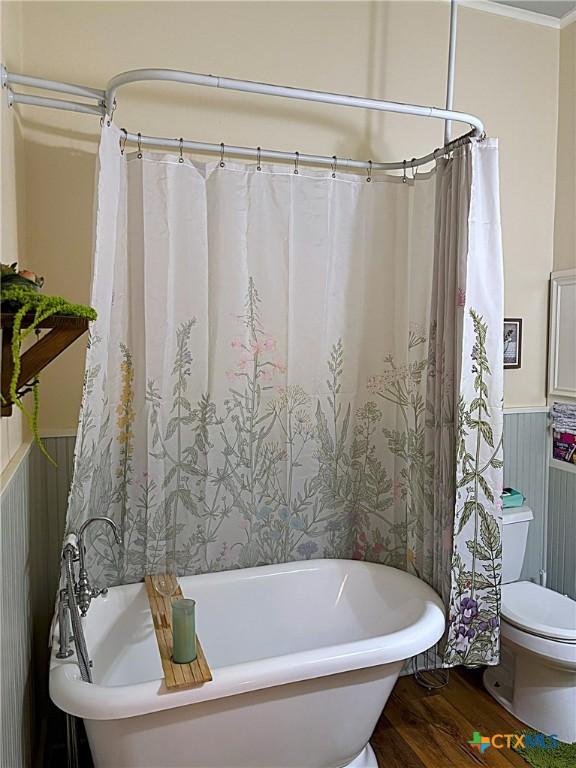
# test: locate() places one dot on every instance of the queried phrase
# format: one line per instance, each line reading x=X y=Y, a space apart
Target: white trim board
x=58 y=432
x=526 y=409
x=520 y=14
x=561 y=312
x=563 y=466
x=13 y=465
x=570 y=18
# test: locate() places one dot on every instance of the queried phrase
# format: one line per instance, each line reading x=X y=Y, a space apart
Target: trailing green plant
x=24 y=300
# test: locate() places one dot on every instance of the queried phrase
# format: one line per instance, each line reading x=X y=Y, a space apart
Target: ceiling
x=556 y=8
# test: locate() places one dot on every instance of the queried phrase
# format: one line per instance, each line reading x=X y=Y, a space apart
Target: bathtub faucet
x=84 y=591
x=76 y=595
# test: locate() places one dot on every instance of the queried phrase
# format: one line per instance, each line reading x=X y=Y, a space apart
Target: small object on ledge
x=183 y=631
x=512 y=498
x=26 y=278
x=176 y=676
x=564 y=432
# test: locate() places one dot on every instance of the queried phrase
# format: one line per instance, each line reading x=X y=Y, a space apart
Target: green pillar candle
x=183 y=631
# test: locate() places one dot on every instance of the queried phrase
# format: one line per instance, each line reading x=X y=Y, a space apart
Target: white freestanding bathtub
x=304 y=656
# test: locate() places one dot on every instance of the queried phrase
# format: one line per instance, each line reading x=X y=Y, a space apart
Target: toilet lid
x=539 y=611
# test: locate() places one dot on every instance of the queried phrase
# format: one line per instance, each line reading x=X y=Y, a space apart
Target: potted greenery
x=20 y=295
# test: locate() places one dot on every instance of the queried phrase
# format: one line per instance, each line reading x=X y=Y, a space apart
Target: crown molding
x=520 y=14
x=570 y=18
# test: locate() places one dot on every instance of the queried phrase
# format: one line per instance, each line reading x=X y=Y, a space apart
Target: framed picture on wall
x=512 y=342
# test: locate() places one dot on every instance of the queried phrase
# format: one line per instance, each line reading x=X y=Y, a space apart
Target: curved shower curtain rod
x=106 y=104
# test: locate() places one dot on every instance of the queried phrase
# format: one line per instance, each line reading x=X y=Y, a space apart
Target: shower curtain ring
x=404 y=179
x=334 y=166
x=139 y=146
x=111 y=116
x=414 y=170
x=296 y=162
x=222 y=163
x=122 y=141
x=369 y=171
x=181 y=143
x=258 y=154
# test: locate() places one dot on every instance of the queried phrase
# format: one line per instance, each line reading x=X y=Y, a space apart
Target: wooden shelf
x=62 y=331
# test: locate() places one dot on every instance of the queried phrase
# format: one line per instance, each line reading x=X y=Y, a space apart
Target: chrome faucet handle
x=65 y=635
x=85 y=593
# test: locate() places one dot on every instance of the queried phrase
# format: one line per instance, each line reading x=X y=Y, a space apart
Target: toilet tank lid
x=517 y=515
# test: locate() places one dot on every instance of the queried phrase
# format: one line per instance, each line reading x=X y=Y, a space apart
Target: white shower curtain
x=282 y=367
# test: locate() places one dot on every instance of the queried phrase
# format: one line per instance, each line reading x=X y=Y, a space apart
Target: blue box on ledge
x=512 y=498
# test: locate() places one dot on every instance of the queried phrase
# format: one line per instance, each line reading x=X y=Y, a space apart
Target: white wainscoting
x=32 y=517
x=562 y=532
x=16 y=623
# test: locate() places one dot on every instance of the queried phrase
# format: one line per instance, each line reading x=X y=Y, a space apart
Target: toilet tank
x=515 y=524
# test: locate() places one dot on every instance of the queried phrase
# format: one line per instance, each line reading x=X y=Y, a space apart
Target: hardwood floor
x=421 y=729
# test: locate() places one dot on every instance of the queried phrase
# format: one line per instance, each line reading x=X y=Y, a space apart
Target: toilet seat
x=540 y=612
x=554 y=653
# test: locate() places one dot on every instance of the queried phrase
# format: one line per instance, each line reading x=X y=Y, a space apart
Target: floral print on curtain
x=476 y=572
x=273 y=393
x=345 y=505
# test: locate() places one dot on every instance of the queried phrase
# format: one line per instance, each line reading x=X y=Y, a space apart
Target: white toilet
x=536 y=677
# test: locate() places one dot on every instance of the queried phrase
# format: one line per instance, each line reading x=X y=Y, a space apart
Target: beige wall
x=565 y=223
x=507 y=72
x=12 y=201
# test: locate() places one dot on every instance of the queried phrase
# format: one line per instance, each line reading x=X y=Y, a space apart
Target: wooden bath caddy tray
x=176 y=676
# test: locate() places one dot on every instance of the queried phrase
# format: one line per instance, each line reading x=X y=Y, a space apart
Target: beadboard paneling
x=562 y=532
x=526 y=469
x=32 y=519
x=50 y=498
x=16 y=655
x=48 y=503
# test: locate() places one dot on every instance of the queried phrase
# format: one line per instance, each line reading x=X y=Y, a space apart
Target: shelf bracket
x=63 y=331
